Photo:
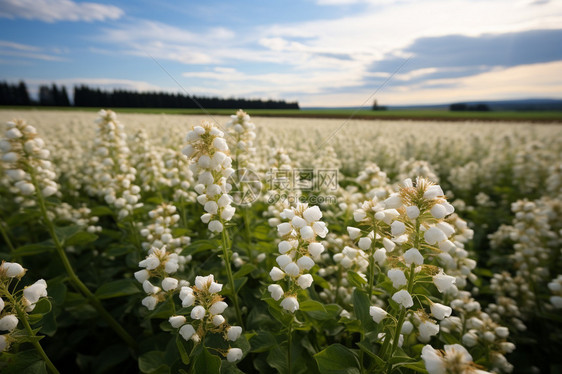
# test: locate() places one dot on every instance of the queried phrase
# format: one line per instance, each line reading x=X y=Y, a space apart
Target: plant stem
x=245 y=212
x=226 y=255
x=290 y=345
x=22 y=316
x=6 y=236
x=76 y=282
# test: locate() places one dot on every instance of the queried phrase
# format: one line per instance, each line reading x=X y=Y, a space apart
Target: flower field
x=228 y=244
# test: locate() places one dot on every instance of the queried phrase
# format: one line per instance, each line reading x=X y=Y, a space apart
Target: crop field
x=224 y=243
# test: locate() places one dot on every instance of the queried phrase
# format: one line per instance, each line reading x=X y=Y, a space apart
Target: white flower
x=412 y=212
x=298 y=222
x=150 y=302
x=427 y=329
x=354 y=232
x=440 y=311
x=169 y=284
x=305 y=281
x=312 y=214
x=502 y=332
x=305 y=263
x=413 y=256
x=397 y=228
x=359 y=215
x=284 y=228
x=149 y=288
x=434 y=235
x=12 y=269
x=215 y=226
x=556 y=301
x=307 y=233
x=443 y=281
x=364 y=243
x=377 y=313
x=187 y=332
x=277 y=274
x=438 y=211
x=188 y=300
x=397 y=277
x=403 y=298
x=233 y=333
x=433 y=361
x=380 y=256
x=283 y=260
x=290 y=303
x=218 y=320
x=276 y=291
x=36 y=291
x=177 y=321
x=198 y=312
x=315 y=249
x=388 y=244
x=215 y=287
x=393 y=202
x=1 y=304
x=433 y=191
x=234 y=354
x=407 y=328
x=284 y=247
x=470 y=339
x=8 y=322
x=218 y=307
x=292 y=269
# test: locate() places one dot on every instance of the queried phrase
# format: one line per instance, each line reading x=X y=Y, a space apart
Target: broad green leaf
x=337 y=359
x=121 y=287
x=33 y=249
x=244 y=270
x=207 y=363
x=66 y=232
x=361 y=307
x=81 y=238
x=110 y=357
x=153 y=362
x=181 y=349
x=101 y=210
x=311 y=305
x=355 y=279
x=416 y=366
x=263 y=341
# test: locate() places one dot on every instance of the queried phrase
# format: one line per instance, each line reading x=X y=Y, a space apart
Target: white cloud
x=11 y=49
x=520 y=82
x=58 y=10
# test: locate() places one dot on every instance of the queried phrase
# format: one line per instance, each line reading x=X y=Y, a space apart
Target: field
x=167 y=243
x=401 y=114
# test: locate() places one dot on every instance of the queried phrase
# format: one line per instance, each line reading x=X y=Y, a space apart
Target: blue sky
x=318 y=52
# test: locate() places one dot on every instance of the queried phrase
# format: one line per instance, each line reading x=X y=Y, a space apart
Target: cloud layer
x=58 y=10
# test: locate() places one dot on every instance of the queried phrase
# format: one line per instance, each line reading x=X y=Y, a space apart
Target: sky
x=317 y=52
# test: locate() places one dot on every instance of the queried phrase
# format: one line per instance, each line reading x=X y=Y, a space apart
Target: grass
x=438 y=115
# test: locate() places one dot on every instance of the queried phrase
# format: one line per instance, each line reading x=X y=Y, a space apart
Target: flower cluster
x=109 y=173
x=241 y=133
x=159 y=266
x=212 y=165
x=14 y=304
x=453 y=359
x=158 y=233
x=207 y=306
x=298 y=252
x=26 y=163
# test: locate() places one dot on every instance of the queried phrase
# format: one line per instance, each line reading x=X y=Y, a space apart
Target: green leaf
x=207 y=363
x=110 y=357
x=81 y=238
x=311 y=306
x=200 y=246
x=355 y=279
x=33 y=249
x=153 y=363
x=181 y=349
x=101 y=210
x=66 y=232
x=244 y=270
x=263 y=341
x=337 y=359
x=361 y=307
x=416 y=366
x=121 y=287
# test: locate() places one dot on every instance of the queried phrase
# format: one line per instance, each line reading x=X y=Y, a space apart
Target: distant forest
x=84 y=96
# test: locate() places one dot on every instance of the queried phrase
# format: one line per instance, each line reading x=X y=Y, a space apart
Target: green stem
x=22 y=316
x=226 y=255
x=6 y=236
x=76 y=282
x=245 y=212
x=289 y=345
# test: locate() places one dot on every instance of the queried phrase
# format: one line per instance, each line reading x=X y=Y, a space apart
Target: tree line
x=84 y=96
